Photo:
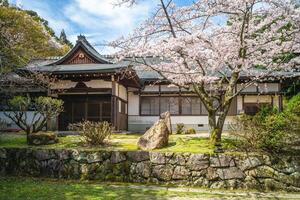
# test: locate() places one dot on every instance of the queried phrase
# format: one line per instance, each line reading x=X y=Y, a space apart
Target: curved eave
x=74 y=49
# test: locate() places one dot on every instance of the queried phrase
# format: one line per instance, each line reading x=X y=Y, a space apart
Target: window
x=149 y=105
x=190 y=106
x=170 y=104
x=176 y=106
x=253 y=108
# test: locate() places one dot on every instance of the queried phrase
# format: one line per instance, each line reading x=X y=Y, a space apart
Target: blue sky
x=98 y=20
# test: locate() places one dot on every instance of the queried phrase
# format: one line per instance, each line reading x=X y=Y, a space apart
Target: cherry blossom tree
x=207 y=45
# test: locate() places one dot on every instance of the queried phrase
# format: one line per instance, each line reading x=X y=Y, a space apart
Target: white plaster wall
x=174 y=119
x=268 y=87
x=122 y=92
x=98 y=84
x=63 y=84
x=133 y=104
x=167 y=88
x=11 y=124
x=200 y=123
x=257 y=99
x=251 y=88
x=151 y=88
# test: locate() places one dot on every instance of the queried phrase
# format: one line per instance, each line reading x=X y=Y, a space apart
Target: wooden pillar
x=114 y=104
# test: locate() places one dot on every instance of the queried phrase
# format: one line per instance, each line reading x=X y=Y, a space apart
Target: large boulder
x=156 y=137
x=166 y=116
x=42 y=138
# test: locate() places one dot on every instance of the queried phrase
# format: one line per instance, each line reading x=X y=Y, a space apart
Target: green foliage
x=20 y=103
x=268 y=130
x=291 y=89
x=44 y=108
x=4 y=3
x=49 y=107
x=179 y=128
x=23 y=37
x=93 y=133
x=293 y=105
x=190 y=131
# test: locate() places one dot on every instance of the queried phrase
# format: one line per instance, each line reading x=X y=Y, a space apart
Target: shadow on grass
x=15 y=189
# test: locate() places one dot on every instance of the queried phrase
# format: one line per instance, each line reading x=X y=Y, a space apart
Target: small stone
x=272 y=185
x=94 y=157
x=62 y=154
x=79 y=156
x=117 y=157
x=230 y=173
x=218 y=185
x=212 y=174
x=199 y=173
x=202 y=182
x=143 y=169
x=138 y=156
x=162 y=172
x=41 y=154
x=177 y=159
x=262 y=172
x=181 y=172
x=157 y=158
x=221 y=161
x=198 y=162
x=250 y=163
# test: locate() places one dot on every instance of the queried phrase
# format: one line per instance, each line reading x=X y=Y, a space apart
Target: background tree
x=43 y=108
x=207 y=45
x=23 y=36
x=4 y=3
x=63 y=38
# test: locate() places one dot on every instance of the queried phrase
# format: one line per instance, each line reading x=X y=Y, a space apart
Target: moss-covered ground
x=123 y=142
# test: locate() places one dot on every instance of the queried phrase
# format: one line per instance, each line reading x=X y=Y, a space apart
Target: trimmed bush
x=190 y=131
x=179 y=128
x=93 y=133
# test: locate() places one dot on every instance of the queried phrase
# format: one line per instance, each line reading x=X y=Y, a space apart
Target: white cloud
x=98 y=20
x=94 y=14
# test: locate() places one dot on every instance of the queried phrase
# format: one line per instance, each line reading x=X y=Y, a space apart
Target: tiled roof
x=108 y=64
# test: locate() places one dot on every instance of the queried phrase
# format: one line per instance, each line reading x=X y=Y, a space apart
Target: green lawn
x=12 y=188
x=177 y=143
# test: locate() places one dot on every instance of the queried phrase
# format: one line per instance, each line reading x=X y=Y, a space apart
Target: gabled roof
x=87 y=47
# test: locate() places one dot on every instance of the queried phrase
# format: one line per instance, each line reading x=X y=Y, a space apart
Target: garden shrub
x=190 y=131
x=268 y=130
x=179 y=128
x=93 y=133
x=293 y=105
x=43 y=109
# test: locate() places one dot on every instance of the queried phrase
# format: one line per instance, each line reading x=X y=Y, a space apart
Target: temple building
x=97 y=88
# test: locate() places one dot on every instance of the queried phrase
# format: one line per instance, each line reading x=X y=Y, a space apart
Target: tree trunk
x=216 y=128
x=28 y=131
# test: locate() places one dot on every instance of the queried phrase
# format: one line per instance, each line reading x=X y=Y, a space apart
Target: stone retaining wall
x=212 y=171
